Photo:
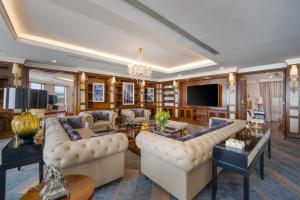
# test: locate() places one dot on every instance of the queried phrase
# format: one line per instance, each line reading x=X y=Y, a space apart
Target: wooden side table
x=80 y=187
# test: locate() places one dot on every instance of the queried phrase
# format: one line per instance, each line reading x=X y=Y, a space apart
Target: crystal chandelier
x=140 y=70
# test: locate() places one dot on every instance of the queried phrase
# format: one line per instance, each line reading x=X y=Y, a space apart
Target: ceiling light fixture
x=140 y=70
x=221 y=68
x=54 y=61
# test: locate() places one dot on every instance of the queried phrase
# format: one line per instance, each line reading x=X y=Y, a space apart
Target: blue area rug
x=282 y=179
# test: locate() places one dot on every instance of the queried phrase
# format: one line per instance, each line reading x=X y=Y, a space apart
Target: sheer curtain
x=272 y=94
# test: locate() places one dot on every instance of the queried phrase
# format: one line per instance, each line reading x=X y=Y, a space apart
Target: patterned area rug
x=282 y=179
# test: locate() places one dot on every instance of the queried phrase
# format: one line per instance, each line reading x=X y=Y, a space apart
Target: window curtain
x=272 y=94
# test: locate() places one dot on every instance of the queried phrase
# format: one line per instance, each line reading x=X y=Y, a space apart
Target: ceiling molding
x=202 y=74
x=11 y=21
x=145 y=9
x=293 y=61
x=263 y=67
x=12 y=59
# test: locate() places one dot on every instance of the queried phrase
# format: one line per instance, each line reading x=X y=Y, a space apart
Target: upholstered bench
x=176 y=125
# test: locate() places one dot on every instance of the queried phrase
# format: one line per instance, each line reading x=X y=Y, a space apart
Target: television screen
x=52 y=99
x=203 y=95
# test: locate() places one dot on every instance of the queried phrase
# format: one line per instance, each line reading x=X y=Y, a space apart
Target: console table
x=241 y=160
x=16 y=155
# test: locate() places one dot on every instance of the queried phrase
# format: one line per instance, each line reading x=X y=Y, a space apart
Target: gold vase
x=25 y=126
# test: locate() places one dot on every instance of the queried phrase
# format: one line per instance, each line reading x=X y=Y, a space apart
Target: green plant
x=162 y=118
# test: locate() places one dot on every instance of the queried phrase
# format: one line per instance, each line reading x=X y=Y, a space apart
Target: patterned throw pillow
x=73 y=134
x=75 y=122
x=218 y=122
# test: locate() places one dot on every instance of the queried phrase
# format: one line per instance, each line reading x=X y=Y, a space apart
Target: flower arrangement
x=162 y=118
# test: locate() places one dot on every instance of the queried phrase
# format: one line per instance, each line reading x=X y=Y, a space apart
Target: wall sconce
x=83 y=77
x=113 y=80
x=175 y=84
x=15 y=72
x=143 y=83
x=294 y=78
x=231 y=79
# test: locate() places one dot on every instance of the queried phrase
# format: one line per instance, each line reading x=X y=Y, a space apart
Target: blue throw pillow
x=140 y=113
x=62 y=120
x=73 y=134
x=75 y=122
x=95 y=116
x=218 y=122
x=103 y=116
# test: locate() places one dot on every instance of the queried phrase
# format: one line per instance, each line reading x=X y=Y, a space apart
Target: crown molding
x=12 y=59
x=263 y=67
x=292 y=61
x=202 y=74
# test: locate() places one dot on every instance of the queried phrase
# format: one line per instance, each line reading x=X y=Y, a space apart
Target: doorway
x=264 y=91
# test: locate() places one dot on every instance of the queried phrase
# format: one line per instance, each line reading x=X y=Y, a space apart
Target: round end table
x=80 y=187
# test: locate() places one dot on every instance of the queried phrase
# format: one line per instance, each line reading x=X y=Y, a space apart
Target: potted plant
x=162 y=118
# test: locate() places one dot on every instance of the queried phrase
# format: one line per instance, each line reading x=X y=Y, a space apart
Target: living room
x=141 y=100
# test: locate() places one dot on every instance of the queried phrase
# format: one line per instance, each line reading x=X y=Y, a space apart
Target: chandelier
x=140 y=70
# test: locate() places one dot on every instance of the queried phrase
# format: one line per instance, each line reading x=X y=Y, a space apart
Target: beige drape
x=272 y=94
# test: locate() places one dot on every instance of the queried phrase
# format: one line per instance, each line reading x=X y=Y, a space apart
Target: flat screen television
x=52 y=99
x=203 y=95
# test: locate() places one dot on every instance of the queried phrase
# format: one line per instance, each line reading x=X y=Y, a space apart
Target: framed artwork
x=128 y=93
x=98 y=92
x=150 y=94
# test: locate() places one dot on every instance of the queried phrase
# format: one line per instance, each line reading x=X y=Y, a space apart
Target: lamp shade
x=259 y=100
x=294 y=71
x=15 y=68
x=24 y=98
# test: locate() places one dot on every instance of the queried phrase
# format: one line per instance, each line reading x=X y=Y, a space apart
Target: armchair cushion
x=138 y=112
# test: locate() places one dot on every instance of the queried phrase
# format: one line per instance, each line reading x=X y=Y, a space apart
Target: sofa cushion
x=75 y=122
x=101 y=123
x=218 y=122
x=85 y=133
x=73 y=134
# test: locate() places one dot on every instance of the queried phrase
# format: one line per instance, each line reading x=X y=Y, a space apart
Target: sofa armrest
x=87 y=118
x=112 y=118
x=73 y=153
x=128 y=115
x=174 y=152
x=147 y=114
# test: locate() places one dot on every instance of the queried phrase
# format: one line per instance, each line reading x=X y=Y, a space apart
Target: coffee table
x=80 y=187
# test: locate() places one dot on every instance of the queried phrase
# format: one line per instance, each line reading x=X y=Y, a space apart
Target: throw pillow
x=62 y=120
x=95 y=116
x=135 y=111
x=73 y=134
x=75 y=122
x=140 y=113
x=218 y=122
x=105 y=116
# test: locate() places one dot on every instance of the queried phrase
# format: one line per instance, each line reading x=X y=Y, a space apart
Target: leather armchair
x=129 y=115
x=99 y=125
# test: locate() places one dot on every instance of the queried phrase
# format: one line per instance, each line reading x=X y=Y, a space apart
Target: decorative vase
x=162 y=127
x=25 y=126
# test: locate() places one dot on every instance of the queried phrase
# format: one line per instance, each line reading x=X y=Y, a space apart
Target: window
x=38 y=86
x=60 y=92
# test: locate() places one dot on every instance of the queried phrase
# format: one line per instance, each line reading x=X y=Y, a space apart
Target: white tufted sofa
x=101 y=158
x=181 y=168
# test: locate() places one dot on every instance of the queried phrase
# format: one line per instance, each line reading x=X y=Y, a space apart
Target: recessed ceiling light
x=179 y=75
x=221 y=67
x=54 y=61
x=270 y=76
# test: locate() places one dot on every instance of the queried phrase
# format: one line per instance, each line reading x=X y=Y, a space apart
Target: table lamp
x=259 y=102
x=25 y=125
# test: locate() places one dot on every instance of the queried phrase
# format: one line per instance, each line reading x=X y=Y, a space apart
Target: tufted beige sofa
x=181 y=168
x=101 y=158
x=129 y=116
x=99 y=125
